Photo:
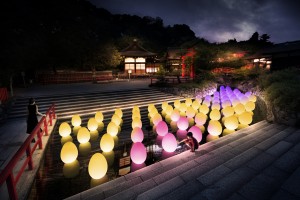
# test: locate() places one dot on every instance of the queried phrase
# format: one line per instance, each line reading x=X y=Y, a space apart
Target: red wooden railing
x=3 y=94
x=7 y=175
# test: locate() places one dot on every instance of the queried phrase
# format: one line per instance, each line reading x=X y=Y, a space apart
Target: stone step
x=163 y=171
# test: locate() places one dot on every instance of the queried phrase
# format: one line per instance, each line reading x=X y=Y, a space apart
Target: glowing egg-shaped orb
x=100 y=126
x=138 y=153
x=252 y=98
x=99 y=116
x=202 y=128
x=163 y=113
x=136 y=115
x=181 y=134
x=231 y=122
x=119 y=112
x=76 y=129
x=164 y=105
x=175 y=115
x=136 y=122
x=210 y=137
x=228 y=111
x=92 y=124
x=83 y=135
x=137 y=135
x=197 y=134
x=215 y=114
x=214 y=128
x=116 y=119
x=153 y=112
x=169 y=142
x=150 y=107
x=196 y=104
x=69 y=152
x=182 y=114
x=169 y=110
x=107 y=143
x=241 y=126
x=204 y=109
x=206 y=102
x=245 y=118
x=183 y=123
x=190 y=112
x=177 y=104
x=135 y=109
x=226 y=103
x=188 y=101
x=227 y=131
x=162 y=128
x=191 y=121
x=250 y=106
x=239 y=108
x=157 y=118
x=244 y=100
x=182 y=107
x=76 y=120
x=215 y=106
x=97 y=166
x=64 y=129
x=173 y=126
x=200 y=118
x=112 y=129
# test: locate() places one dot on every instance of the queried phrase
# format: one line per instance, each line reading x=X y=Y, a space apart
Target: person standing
x=32 y=112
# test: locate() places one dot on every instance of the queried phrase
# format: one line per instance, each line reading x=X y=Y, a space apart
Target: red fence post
x=39 y=135
x=28 y=153
x=46 y=126
x=11 y=187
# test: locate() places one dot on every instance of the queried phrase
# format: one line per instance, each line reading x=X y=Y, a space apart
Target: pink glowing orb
x=181 y=134
x=197 y=134
x=183 y=123
x=175 y=115
x=169 y=142
x=138 y=153
x=162 y=128
x=137 y=135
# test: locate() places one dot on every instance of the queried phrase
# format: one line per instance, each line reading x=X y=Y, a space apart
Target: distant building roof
x=135 y=50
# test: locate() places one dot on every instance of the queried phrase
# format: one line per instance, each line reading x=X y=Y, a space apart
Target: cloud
x=219 y=20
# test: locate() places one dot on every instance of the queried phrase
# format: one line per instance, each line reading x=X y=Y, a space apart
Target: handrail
x=7 y=173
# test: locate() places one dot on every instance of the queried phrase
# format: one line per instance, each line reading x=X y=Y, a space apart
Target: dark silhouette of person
x=190 y=141
x=32 y=112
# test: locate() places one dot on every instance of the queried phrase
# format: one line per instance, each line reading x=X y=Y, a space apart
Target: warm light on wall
x=69 y=152
x=97 y=166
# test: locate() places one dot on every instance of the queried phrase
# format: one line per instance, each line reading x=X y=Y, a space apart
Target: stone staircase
x=90 y=102
x=258 y=162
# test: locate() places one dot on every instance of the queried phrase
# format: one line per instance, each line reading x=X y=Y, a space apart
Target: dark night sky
x=219 y=20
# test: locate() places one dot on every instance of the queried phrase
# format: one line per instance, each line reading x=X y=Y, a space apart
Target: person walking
x=32 y=112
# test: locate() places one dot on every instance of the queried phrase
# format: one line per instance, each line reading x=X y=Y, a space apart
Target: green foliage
x=282 y=89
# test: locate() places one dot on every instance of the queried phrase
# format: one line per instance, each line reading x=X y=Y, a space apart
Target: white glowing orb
x=161 y=128
x=107 y=143
x=183 y=123
x=76 y=120
x=99 y=116
x=92 y=124
x=64 y=129
x=200 y=118
x=137 y=135
x=69 y=152
x=83 y=135
x=169 y=142
x=97 y=166
x=214 y=128
x=197 y=134
x=138 y=153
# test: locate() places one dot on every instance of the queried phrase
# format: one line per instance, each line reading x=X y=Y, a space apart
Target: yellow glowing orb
x=215 y=114
x=107 y=143
x=92 y=124
x=97 y=166
x=112 y=129
x=69 y=152
x=204 y=109
x=188 y=101
x=64 y=129
x=239 y=108
x=99 y=116
x=83 y=135
x=231 y=122
x=245 y=118
x=214 y=128
x=76 y=120
x=228 y=111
